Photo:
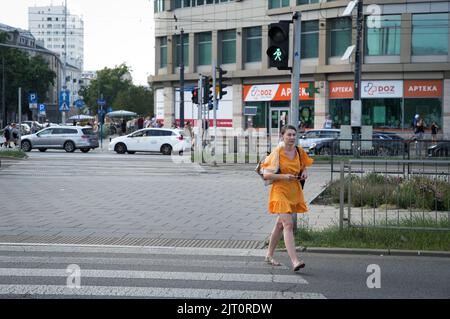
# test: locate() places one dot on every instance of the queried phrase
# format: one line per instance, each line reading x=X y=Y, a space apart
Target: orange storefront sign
x=274 y=92
x=341 y=89
x=423 y=88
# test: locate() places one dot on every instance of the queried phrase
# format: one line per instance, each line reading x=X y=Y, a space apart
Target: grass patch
x=379 y=238
x=14 y=153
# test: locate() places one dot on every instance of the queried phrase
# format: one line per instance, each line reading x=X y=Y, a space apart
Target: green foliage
x=31 y=73
x=15 y=153
x=374 y=190
x=118 y=92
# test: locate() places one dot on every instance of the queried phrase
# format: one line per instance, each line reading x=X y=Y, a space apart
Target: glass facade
x=430 y=34
x=162 y=52
x=386 y=39
x=340 y=112
x=253 y=44
x=310 y=39
x=159 y=5
x=430 y=109
x=176 y=40
x=204 y=48
x=300 y=2
x=273 y=4
x=228 y=38
x=382 y=112
x=340 y=36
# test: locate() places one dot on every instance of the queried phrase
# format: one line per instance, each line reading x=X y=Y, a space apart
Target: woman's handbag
x=259 y=170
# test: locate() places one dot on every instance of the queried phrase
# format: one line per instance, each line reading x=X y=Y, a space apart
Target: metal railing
x=382 y=193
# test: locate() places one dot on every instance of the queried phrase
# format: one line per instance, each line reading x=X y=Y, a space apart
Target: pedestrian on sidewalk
x=286 y=167
x=7 y=136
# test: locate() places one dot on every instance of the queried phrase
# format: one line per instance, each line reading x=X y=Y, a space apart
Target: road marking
x=131 y=274
x=155 y=292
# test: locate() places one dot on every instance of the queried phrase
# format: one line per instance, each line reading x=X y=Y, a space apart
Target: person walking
x=286 y=167
x=434 y=130
x=7 y=136
x=14 y=134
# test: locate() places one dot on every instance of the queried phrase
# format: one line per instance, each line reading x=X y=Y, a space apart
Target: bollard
x=341 y=199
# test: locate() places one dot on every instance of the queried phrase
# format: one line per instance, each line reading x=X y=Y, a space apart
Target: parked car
x=30 y=124
x=160 y=140
x=383 y=144
x=314 y=136
x=68 y=138
x=441 y=149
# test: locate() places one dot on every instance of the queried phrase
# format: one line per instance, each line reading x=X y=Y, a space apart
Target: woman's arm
x=279 y=177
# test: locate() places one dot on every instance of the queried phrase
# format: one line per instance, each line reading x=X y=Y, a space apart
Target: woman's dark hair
x=287 y=127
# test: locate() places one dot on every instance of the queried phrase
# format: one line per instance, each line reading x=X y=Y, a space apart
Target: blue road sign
x=32 y=98
x=101 y=102
x=79 y=103
x=101 y=111
x=64 y=101
x=109 y=110
x=41 y=107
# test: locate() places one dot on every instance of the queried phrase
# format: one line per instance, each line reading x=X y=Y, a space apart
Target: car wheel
x=69 y=147
x=42 y=149
x=325 y=151
x=120 y=148
x=166 y=149
x=26 y=146
x=85 y=150
x=131 y=152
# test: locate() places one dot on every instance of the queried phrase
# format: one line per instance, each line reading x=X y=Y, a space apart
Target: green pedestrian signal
x=278 y=51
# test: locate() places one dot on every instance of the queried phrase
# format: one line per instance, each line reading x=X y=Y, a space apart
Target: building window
x=430 y=109
x=163 y=52
x=340 y=112
x=310 y=39
x=300 y=2
x=382 y=113
x=185 y=49
x=340 y=36
x=204 y=48
x=430 y=34
x=253 y=44
x=386 y=39
x=228 y=38
x=273 y=4
x=159 y=5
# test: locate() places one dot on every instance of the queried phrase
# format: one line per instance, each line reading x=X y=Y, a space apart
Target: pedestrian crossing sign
x=64 y=107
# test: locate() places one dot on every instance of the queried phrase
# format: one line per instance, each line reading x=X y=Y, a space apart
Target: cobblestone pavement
x=110 y=195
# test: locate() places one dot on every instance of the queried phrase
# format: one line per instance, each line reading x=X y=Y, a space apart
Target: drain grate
x=132 y=241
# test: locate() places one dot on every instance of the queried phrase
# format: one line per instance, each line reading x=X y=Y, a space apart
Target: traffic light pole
x=182 y=78
x=295 y=82
x=214 y=111
x=199 y=116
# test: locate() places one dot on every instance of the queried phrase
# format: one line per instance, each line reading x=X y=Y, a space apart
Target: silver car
x=68 y=138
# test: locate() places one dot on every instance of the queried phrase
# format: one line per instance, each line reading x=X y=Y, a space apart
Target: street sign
x=109 y=110
x=101 y=111
x=32 y=100
x=41 y=107
x=64 y=101
x=101 y=102
x=79 y=103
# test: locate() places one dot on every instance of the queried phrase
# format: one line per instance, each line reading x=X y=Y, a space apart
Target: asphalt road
x=41 y=272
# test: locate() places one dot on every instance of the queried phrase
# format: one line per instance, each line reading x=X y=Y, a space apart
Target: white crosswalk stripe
x=153 y=272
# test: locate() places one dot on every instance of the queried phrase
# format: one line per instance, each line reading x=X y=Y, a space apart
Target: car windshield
x=88 y=131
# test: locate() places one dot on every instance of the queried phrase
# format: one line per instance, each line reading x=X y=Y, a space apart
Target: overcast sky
x=115 y=31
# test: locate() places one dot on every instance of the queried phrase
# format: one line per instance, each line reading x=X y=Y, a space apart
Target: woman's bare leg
x=275 y=237
x=288 y=232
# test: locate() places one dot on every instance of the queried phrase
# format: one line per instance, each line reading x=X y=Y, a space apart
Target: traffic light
x=222 y=85
x=278 y=51
x=194 y=96
x=208 y=90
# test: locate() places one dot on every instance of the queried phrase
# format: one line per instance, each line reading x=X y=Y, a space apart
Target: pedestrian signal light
x=208 y=90
x=222 y=85
x=195 y=96
x=278 y=51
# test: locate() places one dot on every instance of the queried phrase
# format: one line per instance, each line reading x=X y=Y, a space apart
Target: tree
x=31 y=73
x=118 y=91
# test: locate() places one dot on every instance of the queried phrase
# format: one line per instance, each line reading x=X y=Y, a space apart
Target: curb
x=378 y=252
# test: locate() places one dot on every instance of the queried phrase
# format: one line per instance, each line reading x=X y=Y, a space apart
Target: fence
x=382 y=193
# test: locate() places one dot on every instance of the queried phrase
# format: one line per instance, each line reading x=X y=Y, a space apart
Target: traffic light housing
x=278 y=51
x=222 y=85
x=194 y=96
x=208 y=90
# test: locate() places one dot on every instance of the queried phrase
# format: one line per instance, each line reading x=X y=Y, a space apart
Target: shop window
x=340 y=112
x=382 y=113
x=340 y=36
x=228 y=38
x=306 y=114
x=310 y=39
x=273 y=4
x=300 y=2
x=430 y=109
x=204 y=48
x=430 y=34
x=185 y=49
x=386 y=39
x=253 y=44
x=260 y=119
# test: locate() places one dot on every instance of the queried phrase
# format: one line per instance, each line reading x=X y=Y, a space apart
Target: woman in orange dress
x=286 y=167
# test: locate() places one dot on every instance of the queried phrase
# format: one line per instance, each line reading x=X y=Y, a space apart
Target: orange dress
x=287 y=196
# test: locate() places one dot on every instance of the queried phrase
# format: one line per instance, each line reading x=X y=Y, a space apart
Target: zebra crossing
x=61 y=271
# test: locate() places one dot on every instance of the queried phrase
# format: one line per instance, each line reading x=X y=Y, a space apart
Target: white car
x=160 y=140
x=313 y=136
